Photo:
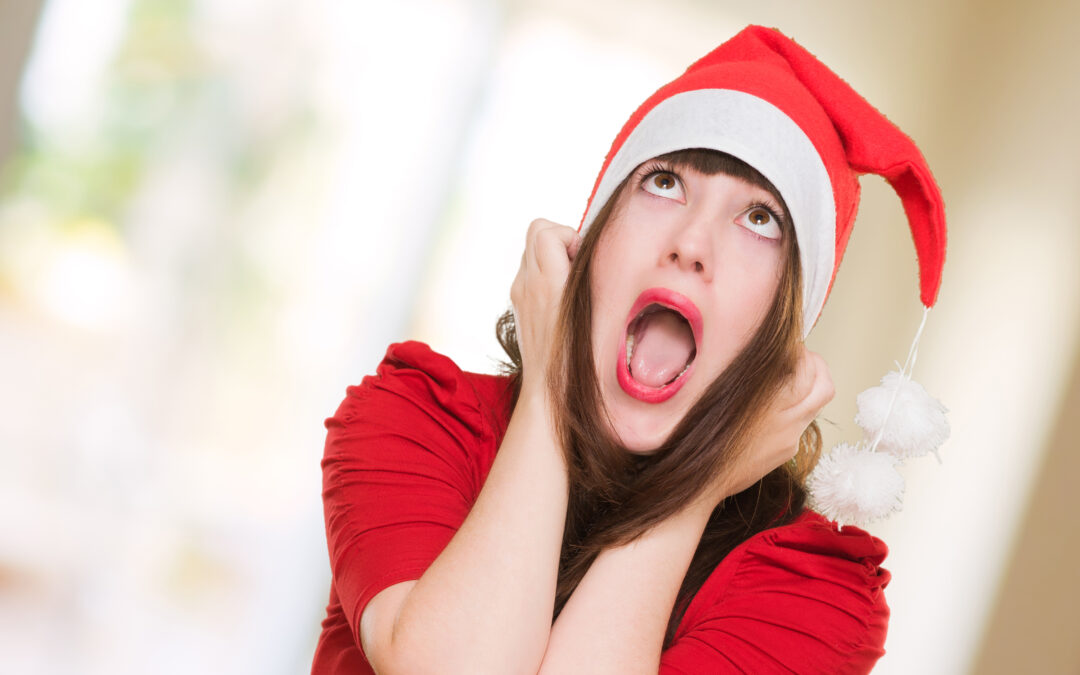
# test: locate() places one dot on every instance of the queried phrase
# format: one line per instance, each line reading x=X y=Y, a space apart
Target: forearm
x=485 y=604
x=616 y=618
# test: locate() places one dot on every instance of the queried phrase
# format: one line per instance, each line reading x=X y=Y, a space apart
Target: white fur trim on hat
x=760 y=134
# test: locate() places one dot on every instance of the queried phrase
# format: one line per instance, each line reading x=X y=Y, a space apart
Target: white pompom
x=851 y=484
x=916 y=425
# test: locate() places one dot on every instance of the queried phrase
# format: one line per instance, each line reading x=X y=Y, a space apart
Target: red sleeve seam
x=737 y=567
x=868 y=608
x=486 y=428
x=375 y=587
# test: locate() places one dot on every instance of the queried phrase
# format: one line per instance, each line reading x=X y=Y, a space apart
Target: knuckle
x=827 y=383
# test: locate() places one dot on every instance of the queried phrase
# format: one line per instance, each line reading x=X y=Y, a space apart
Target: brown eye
x=760 y=221
x=664 y=181
x=663 y=184
x=760 y=216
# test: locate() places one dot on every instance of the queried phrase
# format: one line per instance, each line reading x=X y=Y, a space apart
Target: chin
x=637 y=440
x=644 y=452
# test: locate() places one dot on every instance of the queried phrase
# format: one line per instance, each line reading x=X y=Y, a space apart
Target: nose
x=691 y=246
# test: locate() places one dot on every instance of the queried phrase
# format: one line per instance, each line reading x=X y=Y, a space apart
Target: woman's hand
x=536 y=294
x=794 y=407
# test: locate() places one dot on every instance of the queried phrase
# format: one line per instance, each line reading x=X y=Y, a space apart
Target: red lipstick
x=672 y=300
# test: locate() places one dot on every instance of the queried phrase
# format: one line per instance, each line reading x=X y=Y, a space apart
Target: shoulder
x=810 y=553
x=808 y=594
x=810 y=544
x=415 y=382
x=406 y=454
x=813 y=534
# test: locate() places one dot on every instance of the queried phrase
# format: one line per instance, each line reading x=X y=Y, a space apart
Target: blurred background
x=214 y=216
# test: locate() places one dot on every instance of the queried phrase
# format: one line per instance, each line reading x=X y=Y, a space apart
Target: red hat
x=769 y=102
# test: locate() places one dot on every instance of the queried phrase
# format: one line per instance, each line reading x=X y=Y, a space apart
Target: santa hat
x=767 y=101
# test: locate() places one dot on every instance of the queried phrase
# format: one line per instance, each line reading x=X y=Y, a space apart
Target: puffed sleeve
x=401 y=469
x=802 y=598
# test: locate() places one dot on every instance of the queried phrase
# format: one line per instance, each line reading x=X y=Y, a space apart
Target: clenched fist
x=536 y=295
x=796 y=405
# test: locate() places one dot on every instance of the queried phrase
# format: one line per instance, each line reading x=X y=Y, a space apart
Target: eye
x=760 y=220
x=663 y=184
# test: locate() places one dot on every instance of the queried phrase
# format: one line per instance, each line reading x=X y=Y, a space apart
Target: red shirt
x=406 y=455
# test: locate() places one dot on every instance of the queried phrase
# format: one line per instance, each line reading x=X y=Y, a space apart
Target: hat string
x=905 y=372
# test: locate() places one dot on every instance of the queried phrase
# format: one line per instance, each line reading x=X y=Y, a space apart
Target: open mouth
x=659 y=345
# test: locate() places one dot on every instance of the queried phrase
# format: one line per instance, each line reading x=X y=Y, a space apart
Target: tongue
x=662 y=346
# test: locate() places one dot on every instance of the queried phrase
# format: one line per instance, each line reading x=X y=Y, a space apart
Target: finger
x=820 y=392
x=553 y=247
x=522 y=267
x=800 y=382
x=517 y=334
x=528 y=256
x=516 y=290
x=575 y=246
x=823 y=389
x=537 y=226
x=518 y=285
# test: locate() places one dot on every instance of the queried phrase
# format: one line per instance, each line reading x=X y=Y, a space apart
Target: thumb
x=575 y=246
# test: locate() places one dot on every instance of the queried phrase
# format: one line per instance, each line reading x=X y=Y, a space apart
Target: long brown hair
x=615 y=495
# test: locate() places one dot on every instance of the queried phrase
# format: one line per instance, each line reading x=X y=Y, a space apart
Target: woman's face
x=684 y=272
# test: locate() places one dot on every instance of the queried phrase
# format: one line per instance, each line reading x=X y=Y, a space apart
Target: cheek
x=601 y=281
x=751 y=279
x=604 y=285
x=615 y=263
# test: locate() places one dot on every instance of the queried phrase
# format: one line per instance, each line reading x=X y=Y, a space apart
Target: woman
x=630 y=497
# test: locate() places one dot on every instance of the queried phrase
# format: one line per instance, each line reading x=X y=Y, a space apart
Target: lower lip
x=671 y=300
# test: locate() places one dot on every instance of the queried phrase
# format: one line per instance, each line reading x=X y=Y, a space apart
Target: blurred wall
x=1017 y=85
x=17 y=21
x=1035 y=620
x=291 y=188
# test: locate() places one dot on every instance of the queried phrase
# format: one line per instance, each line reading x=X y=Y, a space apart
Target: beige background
x=983 y=555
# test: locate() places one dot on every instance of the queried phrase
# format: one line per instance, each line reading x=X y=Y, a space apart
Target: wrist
x=536 y=398
x=701 y=509
x=534 y=414
x=705 y=503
